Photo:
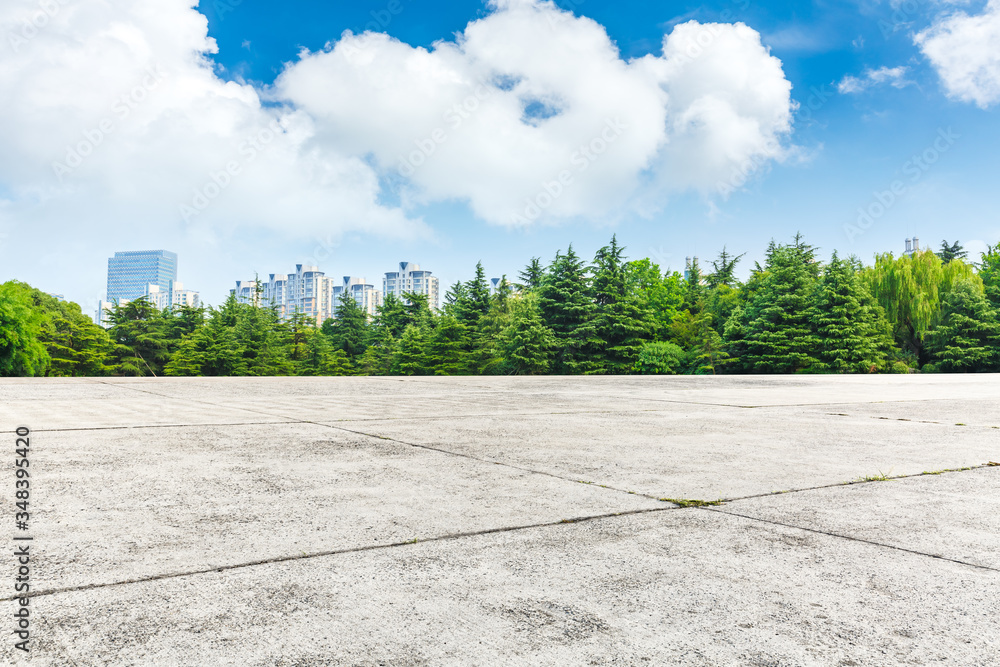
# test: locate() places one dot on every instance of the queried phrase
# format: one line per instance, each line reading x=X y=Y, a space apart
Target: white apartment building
x=160 y=299
x=366 y=295
x=411 y=278
x=307 y=291
x=178 y=296
x=246 y=291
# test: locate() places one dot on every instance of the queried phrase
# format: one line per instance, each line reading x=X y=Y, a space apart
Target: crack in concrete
x=336 y=552
x=133 y=427
x=852 y=539
x=859 y=481
x=426 y=447
x=460 y=535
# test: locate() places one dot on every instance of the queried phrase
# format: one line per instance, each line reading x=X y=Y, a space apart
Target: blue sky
x=851 y=143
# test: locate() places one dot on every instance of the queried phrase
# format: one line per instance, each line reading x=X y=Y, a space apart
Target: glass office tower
x=130 y=272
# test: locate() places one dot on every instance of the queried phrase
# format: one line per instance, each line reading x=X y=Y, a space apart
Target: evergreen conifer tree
x=526 y=343
x=348 y=329
x=778 y=336
x=568 y=309
x=532 y=275
x=967 y=338
x=852 y=333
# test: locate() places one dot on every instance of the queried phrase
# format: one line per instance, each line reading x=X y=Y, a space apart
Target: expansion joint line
x=850 y=538
x=335 y=552
x=441 y=450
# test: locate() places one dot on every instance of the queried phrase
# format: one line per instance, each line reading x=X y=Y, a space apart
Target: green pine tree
x=348 y=330
x=525 y=342
x=621 y=323
x=532 y=275
x=322 y=358
x=568 y=309
x=852 y=333
x=210 y=350
x=777 y=332
x=138 y=334
x=967 y=337
x=446 y=348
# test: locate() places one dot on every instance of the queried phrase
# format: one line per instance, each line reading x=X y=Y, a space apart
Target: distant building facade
x=912 y=246
x=130 y=272
x=178 y=296
x=367 y=296
x=411 y=278
x=306 y=291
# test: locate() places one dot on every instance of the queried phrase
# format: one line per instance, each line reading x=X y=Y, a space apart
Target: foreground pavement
x=480 y=521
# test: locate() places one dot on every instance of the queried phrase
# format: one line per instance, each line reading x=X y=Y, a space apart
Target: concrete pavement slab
x=953 y=515
x=111 y=505
x=704 y=452
x=684 y=587
x=266 y=540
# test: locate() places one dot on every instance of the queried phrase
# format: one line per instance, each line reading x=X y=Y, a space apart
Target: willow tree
x=910 y=289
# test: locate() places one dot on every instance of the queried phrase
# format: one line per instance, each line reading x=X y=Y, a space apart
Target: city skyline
x=857 y=124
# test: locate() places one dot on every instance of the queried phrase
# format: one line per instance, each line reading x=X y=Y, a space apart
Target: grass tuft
x=687 y=502
x=880 y=477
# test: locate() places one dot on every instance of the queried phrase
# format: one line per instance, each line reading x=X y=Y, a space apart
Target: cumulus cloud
x=965 y=51
x=117 y=116
x=530 y=113
x=894 y=76
x=531 y=93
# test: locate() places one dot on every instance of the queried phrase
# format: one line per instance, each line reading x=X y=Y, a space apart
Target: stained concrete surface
x=370 y=521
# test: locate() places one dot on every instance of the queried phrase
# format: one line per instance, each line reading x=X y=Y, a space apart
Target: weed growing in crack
x=685 y=502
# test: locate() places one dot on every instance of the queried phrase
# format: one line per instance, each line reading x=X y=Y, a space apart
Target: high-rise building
x=367 y=296
x=246 y=291
x=912 y=246
x=178 y=296
x=411 y=278
x=307 y=291
x=130 y=272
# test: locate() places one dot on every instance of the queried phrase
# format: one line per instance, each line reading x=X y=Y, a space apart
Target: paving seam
x=852 y=539
x=516 y=528
x=126 y=428
x=533 y=471
x=478 y=533
x=859 y=481
x=338 y=552
x=433 y=449
x=659 y=400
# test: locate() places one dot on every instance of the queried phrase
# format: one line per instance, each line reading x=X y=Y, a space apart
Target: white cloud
x=894 y=76
x=132 y=85
x=965 y=51
x=459 y=117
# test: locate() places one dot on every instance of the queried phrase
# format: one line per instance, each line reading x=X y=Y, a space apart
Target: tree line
x=930 y=312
